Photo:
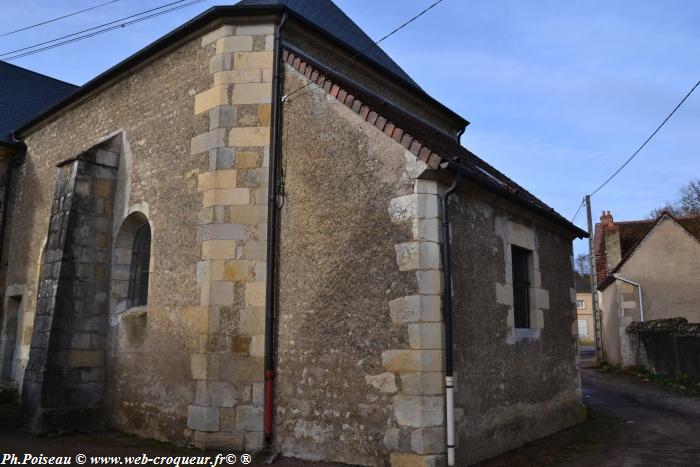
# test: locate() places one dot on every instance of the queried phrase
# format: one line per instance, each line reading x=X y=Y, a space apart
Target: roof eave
x=399 y=79
x=549 y=214
x=10 y=144
x=183 y=32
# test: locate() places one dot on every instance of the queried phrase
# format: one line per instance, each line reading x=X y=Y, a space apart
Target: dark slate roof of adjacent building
x=25 y=94
x=583 y=283
x=325 y=15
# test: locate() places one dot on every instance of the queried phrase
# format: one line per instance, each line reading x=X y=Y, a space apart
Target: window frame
x=521 y=259
x=139 y=270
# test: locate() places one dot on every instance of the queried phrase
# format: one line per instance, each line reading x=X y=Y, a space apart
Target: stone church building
x=234 y=238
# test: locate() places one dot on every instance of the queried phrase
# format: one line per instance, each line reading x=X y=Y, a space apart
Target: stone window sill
x=521 y=334
x=134 y=312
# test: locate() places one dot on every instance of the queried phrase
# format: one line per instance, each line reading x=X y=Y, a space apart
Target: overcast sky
x=558 y=93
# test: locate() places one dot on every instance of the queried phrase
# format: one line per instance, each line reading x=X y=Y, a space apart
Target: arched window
x=140 y=259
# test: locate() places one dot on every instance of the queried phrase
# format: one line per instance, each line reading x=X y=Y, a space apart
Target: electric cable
x=59 y=18
x=374 y=44
x=646 y=141
x=96 y=29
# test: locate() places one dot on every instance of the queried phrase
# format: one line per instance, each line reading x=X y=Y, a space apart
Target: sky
x=558 y=93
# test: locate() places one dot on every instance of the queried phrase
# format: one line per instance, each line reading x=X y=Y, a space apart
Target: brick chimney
x=611 y=232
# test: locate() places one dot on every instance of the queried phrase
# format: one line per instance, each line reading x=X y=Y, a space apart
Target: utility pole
x=597 y=321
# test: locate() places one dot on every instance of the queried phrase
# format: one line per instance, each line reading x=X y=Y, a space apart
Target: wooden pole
x=597 y=319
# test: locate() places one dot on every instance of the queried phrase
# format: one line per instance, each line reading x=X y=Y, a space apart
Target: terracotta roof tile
x=433 y=146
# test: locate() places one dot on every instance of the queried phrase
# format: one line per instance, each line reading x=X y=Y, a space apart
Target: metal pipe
x=447 y=318
x=272 y=208
x=639 y=289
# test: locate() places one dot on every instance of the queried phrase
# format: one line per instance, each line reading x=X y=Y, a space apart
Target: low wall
x=666 y=346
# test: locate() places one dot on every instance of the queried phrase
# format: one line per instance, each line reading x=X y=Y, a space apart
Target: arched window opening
x=140 y=259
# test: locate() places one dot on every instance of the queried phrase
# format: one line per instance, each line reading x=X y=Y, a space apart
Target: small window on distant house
x=140 y=259
x=582 y=328
x=521 y=286
x=580 y=304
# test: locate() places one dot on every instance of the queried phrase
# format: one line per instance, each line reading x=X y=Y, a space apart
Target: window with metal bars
x=521 y=286
x=140 y=259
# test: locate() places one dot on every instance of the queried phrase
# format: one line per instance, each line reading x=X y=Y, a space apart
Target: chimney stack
x=611 y=239
x=606 y=218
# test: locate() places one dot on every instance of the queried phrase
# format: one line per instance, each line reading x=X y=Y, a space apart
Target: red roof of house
x=631 y=234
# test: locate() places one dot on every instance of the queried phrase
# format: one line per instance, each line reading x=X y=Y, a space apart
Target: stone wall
x=512 y=385
x=359 y=358
x=668 y=347
x=149 y=384
x=227 y=364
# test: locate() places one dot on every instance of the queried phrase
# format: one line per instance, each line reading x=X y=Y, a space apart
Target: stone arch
x=123 y=267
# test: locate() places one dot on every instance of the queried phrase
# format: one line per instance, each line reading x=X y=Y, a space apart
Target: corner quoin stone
x=419 y=411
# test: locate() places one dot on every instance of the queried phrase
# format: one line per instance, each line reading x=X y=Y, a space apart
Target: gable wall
x=148 y=369
x=667 y=265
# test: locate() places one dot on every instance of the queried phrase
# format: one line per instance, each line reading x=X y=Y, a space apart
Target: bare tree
x=687 y=204
x=581 y=265
x=689 y=201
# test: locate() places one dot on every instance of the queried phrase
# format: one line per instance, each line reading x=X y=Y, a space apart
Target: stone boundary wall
x=228 y=366
x=666 y=346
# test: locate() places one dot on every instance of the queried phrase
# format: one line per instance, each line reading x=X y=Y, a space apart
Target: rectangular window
x=521 y=286
x=582 y=328
x=580 y=304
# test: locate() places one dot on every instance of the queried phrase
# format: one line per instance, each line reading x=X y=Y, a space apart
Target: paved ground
x=658 y=426
x=631 y=424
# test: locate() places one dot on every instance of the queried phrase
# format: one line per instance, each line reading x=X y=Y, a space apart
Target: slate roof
x=631 y=235
x=325 y=15
x=424 y=141
x=419 y=137
x=582 y=283
x=25 y=94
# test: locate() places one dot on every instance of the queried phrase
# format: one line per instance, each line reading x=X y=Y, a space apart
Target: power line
x=578 y=210
x=646 y=141
x=629 y=159
x=374 y=44
x=117 y=24
x=56 y=19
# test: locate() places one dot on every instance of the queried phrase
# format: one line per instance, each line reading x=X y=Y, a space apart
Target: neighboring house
x=23 y=95
x=646 y=270
x=584 y=311
x=183 y=238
